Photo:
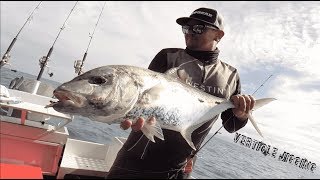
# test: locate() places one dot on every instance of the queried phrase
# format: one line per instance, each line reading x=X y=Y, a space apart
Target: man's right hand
x=126 y=124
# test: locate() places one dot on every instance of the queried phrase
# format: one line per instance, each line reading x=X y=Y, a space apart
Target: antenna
x=44 y=59
x=6 y=57
x=77 y=65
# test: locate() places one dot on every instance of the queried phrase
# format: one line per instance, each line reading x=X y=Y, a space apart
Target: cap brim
x=184 y=20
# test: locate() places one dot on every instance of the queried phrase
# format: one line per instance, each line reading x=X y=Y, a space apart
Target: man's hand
x=138 y=124
x=135 y=126
x=243 y=104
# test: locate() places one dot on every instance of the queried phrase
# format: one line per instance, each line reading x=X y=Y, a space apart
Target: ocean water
x=221 y=158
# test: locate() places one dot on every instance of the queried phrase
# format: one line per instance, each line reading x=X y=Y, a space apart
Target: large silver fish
x=112 y=93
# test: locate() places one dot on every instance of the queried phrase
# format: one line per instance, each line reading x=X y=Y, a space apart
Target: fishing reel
x=5 y=59
x=78 y=66
x=42 y=63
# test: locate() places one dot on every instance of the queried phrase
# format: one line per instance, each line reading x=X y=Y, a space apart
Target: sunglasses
x=196 y=29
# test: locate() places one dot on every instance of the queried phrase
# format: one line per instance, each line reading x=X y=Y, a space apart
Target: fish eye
x=97 y=80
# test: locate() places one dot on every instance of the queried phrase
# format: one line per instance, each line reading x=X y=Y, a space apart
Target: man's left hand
x=243 y=104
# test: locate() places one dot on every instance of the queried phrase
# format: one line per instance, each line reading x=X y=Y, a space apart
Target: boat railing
x=29 y=109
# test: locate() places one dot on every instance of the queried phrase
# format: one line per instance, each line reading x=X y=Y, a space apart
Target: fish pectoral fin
x=152 y=128
x=148 y=134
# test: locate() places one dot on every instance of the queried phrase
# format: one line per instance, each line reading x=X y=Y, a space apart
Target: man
x=199 y=66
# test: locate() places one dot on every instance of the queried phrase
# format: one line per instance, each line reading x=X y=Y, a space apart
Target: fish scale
x=166 y=117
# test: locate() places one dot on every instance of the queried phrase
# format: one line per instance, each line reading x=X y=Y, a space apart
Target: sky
x=262 y=39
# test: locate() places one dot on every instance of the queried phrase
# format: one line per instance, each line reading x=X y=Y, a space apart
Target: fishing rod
x=192 y=155
x=44 y=59
x=6 y=57
x=279 y=99
x=262 y=84
x=77 y=65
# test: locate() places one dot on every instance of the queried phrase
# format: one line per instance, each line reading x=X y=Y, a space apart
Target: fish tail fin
x=253 y=122
x=152 y=128
x=259 y=103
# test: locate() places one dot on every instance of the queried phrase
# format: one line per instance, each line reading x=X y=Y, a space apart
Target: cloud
x=282 y=40
x=285 y=34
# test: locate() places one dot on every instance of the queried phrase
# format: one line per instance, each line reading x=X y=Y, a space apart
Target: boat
x=32 y=135
x=35 y=141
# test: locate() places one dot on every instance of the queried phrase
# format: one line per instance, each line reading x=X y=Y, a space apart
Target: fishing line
x=136 y=143
x=144 y=150
x=262 y=84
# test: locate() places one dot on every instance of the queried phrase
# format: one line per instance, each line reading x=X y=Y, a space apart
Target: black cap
x=206 y=15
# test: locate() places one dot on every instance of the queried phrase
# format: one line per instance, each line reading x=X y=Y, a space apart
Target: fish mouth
x=66 y=99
